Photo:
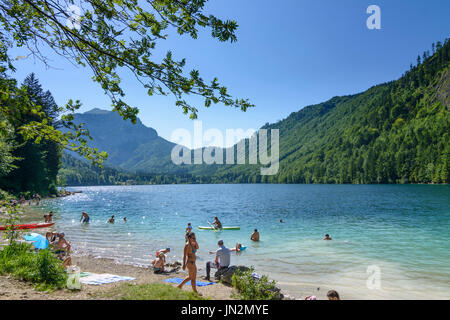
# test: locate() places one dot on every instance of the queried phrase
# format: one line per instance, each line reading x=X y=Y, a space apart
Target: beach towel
x=85 y=274
x=179 y=280
x=104 y=278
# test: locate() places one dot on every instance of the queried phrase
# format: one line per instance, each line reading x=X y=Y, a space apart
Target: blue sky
x=289 y=54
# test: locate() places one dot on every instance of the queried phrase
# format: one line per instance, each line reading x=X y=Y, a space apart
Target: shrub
x=43 y=269
x=5 y=196
x=250 y=288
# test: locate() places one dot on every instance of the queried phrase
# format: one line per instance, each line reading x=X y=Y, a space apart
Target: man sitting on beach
x=255 y=235
x=62 y=250
x=222 y=259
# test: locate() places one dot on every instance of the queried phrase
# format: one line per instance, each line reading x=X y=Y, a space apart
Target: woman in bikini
x=189 y=261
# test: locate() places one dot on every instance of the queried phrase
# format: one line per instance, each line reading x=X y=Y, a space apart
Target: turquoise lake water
x=397 y=234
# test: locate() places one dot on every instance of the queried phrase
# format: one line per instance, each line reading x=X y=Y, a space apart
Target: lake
x=389 y=241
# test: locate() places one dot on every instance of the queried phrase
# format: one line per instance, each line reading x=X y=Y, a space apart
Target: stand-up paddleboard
x=223 y=228
x=28 y=226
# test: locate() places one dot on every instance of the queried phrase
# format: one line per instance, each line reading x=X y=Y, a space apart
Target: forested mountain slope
x=397 y=132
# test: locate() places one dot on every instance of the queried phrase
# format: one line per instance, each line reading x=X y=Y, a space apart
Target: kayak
x=223 y=228
x=29 y=226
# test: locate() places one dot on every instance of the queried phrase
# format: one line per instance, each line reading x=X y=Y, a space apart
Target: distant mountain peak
x=97 y=111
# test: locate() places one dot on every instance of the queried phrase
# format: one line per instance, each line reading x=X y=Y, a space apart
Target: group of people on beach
x=61 y=247
x=22 y=200
x=221 y=261
x=36 y=197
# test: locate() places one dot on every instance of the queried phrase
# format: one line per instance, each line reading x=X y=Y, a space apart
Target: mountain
x=133 y=147
x=395 y=132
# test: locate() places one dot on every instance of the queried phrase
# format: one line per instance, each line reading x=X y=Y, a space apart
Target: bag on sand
x=73 y=281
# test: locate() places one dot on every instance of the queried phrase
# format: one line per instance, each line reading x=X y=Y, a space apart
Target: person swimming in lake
x=111 y=220
x=327 y=237
x=124 y=219
x=255 y=235
x=189 y=259
x=238 y=247
x=217 y=224
x=188 y=230
x=333 y=295
x=84 y=217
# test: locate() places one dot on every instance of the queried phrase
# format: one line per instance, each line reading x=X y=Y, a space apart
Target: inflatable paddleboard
x=29 y=226
x=223 y=228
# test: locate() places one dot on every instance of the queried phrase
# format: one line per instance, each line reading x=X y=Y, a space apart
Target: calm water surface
x=397 y=234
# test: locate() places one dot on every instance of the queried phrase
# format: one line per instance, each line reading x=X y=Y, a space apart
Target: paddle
x=215 y=230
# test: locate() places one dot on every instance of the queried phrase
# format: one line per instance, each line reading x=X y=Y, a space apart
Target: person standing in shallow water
x=189 y=259
x=84 y=217
x=255 y=235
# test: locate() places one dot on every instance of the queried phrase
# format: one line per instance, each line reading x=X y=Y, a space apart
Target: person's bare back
x=255 y=235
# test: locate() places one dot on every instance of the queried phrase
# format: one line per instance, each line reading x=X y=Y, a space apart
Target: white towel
x=103 y=278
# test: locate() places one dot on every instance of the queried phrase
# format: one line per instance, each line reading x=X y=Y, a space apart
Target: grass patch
x=42 y=269
x=152 y=291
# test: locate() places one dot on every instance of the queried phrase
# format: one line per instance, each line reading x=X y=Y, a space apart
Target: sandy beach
x=12 y=289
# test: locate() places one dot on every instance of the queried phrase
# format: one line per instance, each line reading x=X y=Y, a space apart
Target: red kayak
x=29 y=226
